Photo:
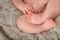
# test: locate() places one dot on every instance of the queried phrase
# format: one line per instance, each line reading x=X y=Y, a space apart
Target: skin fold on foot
x=27 y=27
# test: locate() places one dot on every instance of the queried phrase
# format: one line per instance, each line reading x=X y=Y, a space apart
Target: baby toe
x=29 y=18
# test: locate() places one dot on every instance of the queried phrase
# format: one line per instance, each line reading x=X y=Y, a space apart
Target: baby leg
x=52 y=10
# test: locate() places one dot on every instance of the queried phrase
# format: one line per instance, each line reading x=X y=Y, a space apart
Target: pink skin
x=22 y=6
x=52 y=10
x=29 y=6
x=39 y=5
x=27 y=27
x=36 y=18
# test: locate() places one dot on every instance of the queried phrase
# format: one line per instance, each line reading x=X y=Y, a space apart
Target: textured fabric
x=9 y=30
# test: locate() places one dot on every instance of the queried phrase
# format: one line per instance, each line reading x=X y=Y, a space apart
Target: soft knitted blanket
x=9 y=30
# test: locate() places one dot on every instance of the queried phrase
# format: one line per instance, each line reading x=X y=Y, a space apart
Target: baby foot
x=37 y=18
x=27 y=27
